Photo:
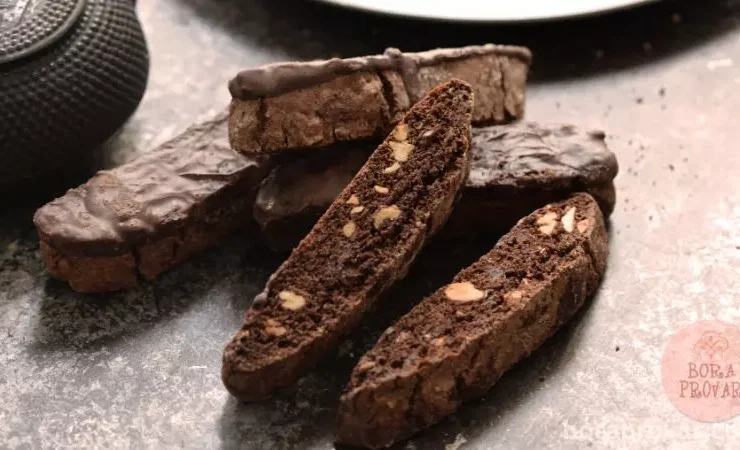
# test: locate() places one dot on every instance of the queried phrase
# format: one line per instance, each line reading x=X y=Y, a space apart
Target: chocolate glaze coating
x=142 y=200
x=295 y=194
x=532 y=154
x=276 y=79
x=307 y=182
x=514 y=169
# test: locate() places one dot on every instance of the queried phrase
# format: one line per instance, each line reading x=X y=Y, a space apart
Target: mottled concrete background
x=140 y=369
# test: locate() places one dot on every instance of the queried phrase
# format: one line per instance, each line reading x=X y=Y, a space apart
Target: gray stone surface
x=140 y=369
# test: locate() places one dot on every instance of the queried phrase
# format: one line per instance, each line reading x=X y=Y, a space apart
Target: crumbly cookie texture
x=313 y=104
x=515 y=169
x=455 y=344
x=362 y=244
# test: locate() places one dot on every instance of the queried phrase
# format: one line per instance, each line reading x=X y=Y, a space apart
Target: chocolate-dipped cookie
x=313 y=104
x=148 y=215
x=514 y=170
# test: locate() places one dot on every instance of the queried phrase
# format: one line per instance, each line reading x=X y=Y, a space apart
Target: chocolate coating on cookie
x=142 y=199
x=514 y=170
x=295 y=194
x=530 y=154
x=309 y=181
x=275 y=79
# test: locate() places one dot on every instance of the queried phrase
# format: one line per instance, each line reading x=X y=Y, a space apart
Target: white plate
x=489 y=10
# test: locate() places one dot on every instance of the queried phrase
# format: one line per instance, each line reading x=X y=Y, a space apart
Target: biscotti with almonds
x=152 y=213
x=312 y=104
x=365 y=241
x=515 y=169
x=297 y=192
x=455 y=344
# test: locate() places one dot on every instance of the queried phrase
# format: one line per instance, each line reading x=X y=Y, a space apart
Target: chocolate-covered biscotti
x=515 y=169
x=456 y=343
x=365 y=241
x=314 y=104
x=148 y=215
x=297 y=192
x=520 y=167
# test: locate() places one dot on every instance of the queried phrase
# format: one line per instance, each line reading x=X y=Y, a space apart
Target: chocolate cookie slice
x=515 y=169
x=314 y=104
x=455 y=344
x=148 y=215
x=365 y=241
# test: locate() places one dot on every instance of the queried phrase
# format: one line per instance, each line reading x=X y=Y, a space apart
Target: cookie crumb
x=459 y=441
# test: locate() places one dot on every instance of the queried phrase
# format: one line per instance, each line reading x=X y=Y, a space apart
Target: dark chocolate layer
x=515 y=169
x=144 y=199
x=295 y=194
x=532 y=154
x=276 y=79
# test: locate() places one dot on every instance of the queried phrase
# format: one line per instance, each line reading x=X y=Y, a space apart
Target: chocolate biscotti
x=314 y=104
x=534 y=164
x=297 y=192
x=365 y=241
x=515 y=169
x=455 y=344
x=148 y=215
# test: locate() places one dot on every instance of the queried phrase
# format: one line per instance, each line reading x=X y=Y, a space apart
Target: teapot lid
x=27 y=26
